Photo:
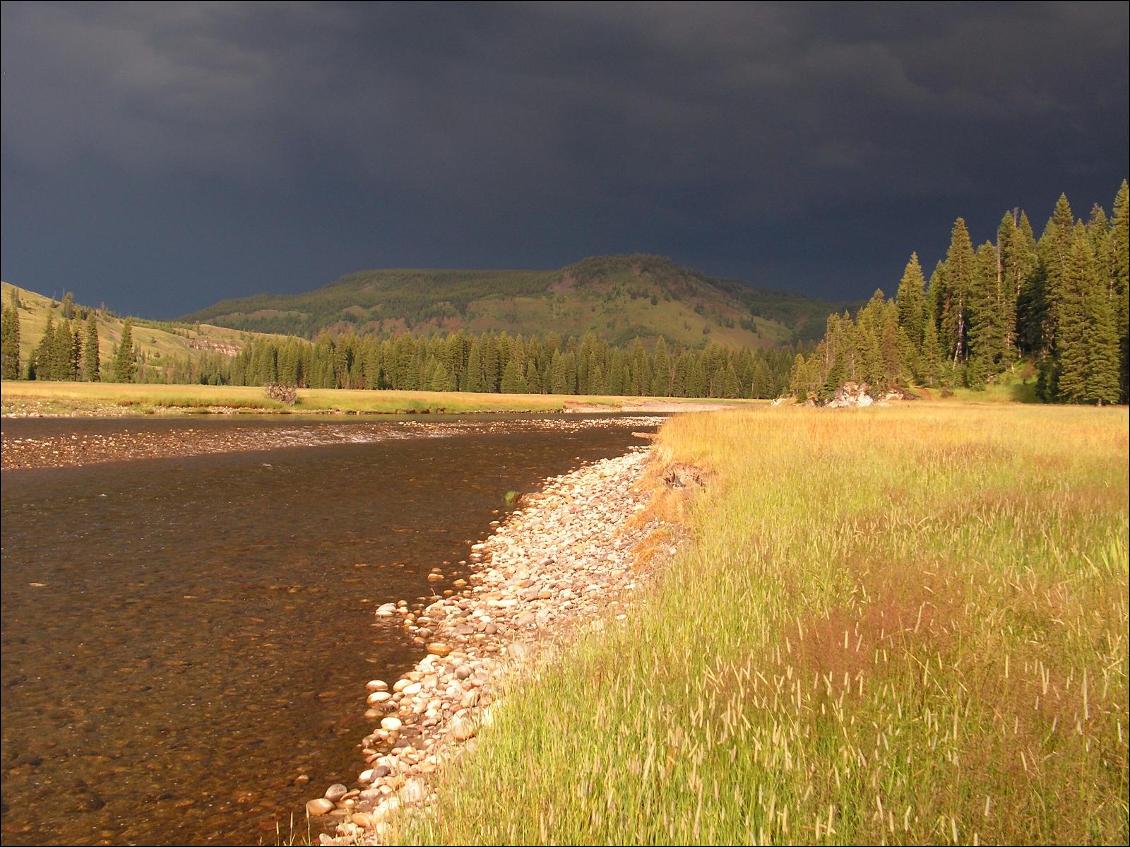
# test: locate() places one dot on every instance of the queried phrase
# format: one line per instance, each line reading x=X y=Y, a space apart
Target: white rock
x=414 y=791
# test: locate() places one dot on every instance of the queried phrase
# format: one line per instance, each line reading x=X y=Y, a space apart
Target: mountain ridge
x=618 y=297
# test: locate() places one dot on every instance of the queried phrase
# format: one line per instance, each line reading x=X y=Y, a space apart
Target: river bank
x=36 y=399
x=565 y=561
x=884 y=625
x=34 y=444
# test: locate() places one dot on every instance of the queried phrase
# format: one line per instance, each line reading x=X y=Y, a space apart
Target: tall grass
x=891 y=625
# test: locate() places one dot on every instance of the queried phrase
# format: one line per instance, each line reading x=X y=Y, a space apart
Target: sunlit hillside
x=159 y=343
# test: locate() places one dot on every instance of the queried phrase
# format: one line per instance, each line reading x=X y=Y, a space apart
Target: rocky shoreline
x=186 y=438
x=565 y=560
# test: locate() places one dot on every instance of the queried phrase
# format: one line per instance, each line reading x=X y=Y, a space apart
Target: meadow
x=111 y=398
x=902 y=624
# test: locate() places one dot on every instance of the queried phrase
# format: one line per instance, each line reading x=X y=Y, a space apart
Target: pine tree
x=40 y=366
x=76 y=354
x=697 y=385
x=533 y=378
x=931 y=354
x=513 y=379
x=59 y=356
x=91 y=366
x=1074 y=303
x=1054 y=248
x=661 y=372
x=1103 y=377
x=1098 y=231
x=988 y=318
x=1017 y=250
x=911 y=299
x=597 y=382
x=952 y=294
x=1120 y=283
x=892 y=347
x=125 y=361
x=442 y=378
x=761 y=384
x=474 y=375
x=10 y=344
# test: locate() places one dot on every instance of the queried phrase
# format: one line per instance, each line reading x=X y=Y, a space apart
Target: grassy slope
x=78 y=398
x=610 y=296
x=158 y=341
x=891 y=625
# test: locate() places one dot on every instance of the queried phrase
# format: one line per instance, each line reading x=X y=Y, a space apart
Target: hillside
x=617 y=297
x=159 y=342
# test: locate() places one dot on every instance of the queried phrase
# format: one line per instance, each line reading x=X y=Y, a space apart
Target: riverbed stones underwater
x=558 y=564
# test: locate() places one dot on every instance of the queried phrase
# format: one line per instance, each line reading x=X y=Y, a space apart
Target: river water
x=186 y=639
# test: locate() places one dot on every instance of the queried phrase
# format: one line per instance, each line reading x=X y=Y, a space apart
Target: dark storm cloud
x=160 y=156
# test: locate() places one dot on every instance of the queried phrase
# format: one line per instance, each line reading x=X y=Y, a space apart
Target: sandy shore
x=564 y=561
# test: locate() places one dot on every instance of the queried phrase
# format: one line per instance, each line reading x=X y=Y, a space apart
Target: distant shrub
x=283 y=393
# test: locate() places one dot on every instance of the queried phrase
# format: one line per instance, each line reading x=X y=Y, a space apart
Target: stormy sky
x=160 y=157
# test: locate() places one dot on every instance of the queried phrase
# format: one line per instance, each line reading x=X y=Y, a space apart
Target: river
x=186 y=639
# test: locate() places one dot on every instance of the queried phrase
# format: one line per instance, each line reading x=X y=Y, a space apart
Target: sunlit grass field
x=133 y=398
x=905 y=624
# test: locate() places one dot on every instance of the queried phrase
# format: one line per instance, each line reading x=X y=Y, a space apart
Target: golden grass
x=902 y=624
x=132 y=398
x=161 y=344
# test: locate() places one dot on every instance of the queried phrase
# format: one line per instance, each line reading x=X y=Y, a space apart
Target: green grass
x=905 y=624
x=81 y=398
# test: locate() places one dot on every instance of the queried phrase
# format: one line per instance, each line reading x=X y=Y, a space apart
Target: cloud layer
x=160 y=156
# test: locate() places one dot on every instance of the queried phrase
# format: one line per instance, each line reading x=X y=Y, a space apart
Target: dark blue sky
x=160 y=157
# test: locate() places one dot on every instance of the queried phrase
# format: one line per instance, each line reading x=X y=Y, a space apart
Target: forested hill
x=618 y=298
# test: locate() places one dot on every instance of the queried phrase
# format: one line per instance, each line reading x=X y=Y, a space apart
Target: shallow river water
x=186 y=639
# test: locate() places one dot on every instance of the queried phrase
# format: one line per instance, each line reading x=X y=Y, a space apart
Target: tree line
x=67 y=351
x=496 y=362
x=1059 y=301
x=487 y=362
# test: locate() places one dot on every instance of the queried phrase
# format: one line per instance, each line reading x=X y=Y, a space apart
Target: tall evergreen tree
x=75 y=364
x=952 y=295
x=125 y=361
x=1103 y=374
x=1016 y=248
x=60 y=353
x=473 y=380
x=1076 y=288
x=1120 y=281
x=1054 y=248
x=91 y=366
x=661 y=373
x=989 y=318
x=39 y=367
x=513 y=379
x=10 y=344
x=911 y=299
x=931 y=367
